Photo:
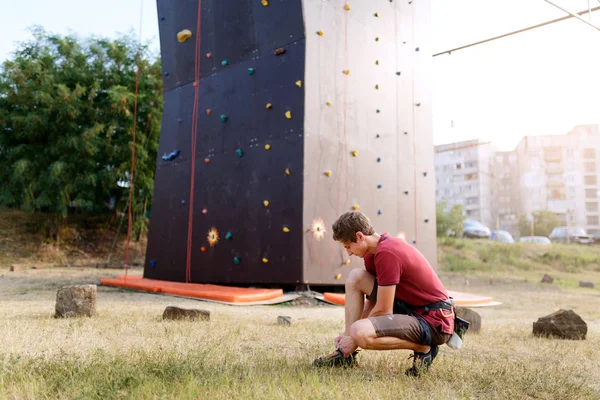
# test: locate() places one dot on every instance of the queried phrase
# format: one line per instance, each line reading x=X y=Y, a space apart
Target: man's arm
x=367 y=308
x=385 y=301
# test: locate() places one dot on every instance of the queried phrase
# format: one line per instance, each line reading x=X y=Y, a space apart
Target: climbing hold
x=377 y=136
x=236 y=260
x=378 y=111
x=377 y=86
x=377 y=39
x=173 y=155
x=347 y=7
x=224 y=62
x=180 y=120
x=184 y=35
x=414 y=242
x=377 y=15
x=224 y=118
x=287 y=171
x=398 y=73
x=418 y=104
x=347 y=262
x=264 y=3
x=299 y=83
x=152 y=263
x=406 y=192
x=239 y=152
x=378 y=159
x=208 y=55
x=355 y=207
x=204 y=211
x=328 y=173
x=267 y=146
x=286 y=229
x=182 y=201
x=162 y=18
x=379 y=186
x=203 y=249
x=424 y=173
x=338 y=276
x=426 y=220
x=265 y=260
x=166 y=74
x=251 y=71
x=228 y=235
x=320 y=33
x=346 y=71
x=379 y=212
x=269 y=106
x=195 y=84
x=266 y=203
x=279 y=51
x=208 y=111
x=288 y=114
x=207 y=160
x=406 y=133
x=376 y=62
x=417 y=49
x=328 y=104
x=354 y=153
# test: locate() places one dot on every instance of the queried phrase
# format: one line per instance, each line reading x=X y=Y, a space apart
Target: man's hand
x=385 y=301
x=347 y=345
x=337 y=340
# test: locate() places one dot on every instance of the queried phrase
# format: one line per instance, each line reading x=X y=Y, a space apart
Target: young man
x=406 y=305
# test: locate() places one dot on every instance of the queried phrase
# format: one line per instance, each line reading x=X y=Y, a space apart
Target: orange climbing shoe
x=336 y=359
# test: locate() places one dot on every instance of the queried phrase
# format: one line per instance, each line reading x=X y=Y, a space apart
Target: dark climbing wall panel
x=246 y=153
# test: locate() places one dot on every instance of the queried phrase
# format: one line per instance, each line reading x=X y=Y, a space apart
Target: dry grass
x=128 y=351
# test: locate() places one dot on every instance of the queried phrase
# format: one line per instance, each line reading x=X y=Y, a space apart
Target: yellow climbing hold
x=184 y=35
x=269 y=106
x=288 y=114
x=377 y=86
x=266 y=203
x=299 y=83
x=328 y=103
x=377 y=39
x=346 y=71
x=265 y=260
x=320 y=33
x=347 y=262
x=328 y=173
x=347 y=7
x=377 y=14
x=287 y=171
x=376 y=62
x=286 y=229
x=355 y=207
x=265 y=3
x=338 y=276
x=267 y=146
x=355 y=153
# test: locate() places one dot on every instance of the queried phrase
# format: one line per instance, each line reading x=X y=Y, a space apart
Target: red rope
x=107 y=228
x=188 y=267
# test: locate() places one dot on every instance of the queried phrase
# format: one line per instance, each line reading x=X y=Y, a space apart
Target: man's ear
x=360 y=236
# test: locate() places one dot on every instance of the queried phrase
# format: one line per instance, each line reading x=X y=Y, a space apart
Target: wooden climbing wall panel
x=301 y=110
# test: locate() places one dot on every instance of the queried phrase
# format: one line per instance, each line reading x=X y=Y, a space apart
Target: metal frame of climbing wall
x=278 y=117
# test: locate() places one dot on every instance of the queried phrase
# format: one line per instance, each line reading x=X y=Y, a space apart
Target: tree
x=544 y=222
x=449 y=223
x=67 y=110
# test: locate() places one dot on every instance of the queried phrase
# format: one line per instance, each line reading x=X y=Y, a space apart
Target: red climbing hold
x=207 y=160
x=208 y=55
x=208 y=111
x=279 y=51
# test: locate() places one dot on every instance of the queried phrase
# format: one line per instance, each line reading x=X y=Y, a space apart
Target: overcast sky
x=544 y=81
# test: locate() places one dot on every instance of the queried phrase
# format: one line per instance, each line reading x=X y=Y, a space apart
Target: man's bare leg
x=359 y=284
x=363 y=333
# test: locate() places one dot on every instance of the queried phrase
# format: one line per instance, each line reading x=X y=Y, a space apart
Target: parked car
x=502 y=236
x=475 y=229
x=535 y=239
x=560 y=234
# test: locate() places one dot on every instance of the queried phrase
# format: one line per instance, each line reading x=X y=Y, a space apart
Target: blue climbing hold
x=166 y=74
x=224 y=62
x=378 y=111
x=379 y=212
x=173 y=155
x=228 y=235
x=379 y=186
x=239 y=152
x=251 y=71
x=180 y=120
x=153 y=263
x=162 y=18
x=224 y=118
x=378 y=159
x=426 y=220
x=236 y=260
x=377 y=135
x=414 y=242
x=182 y=201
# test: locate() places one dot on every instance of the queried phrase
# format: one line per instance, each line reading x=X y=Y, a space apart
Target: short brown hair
x=348 y=224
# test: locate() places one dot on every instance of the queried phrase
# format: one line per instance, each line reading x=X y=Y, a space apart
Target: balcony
x=558 y=206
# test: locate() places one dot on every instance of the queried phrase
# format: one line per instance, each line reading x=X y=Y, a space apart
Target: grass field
x=128 y=351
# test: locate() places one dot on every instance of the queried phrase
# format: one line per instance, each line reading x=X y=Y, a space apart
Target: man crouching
x=406 y=304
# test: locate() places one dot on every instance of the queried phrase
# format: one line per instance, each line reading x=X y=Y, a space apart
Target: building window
x=589 y=167
x=591 y=193
x=589 y=153
x=592 y=220
x=458 y=166
x=590 y=180
x=591 y=207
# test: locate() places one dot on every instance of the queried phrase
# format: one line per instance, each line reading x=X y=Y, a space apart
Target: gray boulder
x=588 y=284
x=562 y=324
x=547 y=279
x=471 y=316
x=176 y=313
x=76 y=301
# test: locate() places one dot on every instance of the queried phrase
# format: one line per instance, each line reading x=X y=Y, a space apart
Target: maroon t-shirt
x=398 y=263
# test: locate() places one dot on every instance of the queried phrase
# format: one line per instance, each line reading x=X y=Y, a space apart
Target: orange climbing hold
x=208 y=111
x=207 y=160
x=184 y=35
x=195 y=84
x=203 y=249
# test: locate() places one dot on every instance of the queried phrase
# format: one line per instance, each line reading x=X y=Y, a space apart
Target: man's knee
x=363 y=333
x=360 y=279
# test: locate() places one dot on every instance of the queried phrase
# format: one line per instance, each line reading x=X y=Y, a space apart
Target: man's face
x=358 y=248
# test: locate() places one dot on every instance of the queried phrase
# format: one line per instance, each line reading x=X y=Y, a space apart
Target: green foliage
x=67 y=122
x=544 y=222
x=449 y=223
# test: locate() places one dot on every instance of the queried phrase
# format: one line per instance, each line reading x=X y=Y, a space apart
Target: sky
x=541 y=82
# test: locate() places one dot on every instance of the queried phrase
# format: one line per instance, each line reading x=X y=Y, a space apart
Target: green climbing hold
x=224 y=118
x=236 y=260
x=228 y=235
x=251 y=71
x=239 y=152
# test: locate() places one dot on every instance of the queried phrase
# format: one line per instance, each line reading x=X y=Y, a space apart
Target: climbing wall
x=279 y=116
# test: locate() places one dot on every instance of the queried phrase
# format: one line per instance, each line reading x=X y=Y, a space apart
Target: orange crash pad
x=196 y=290
x=460 y=299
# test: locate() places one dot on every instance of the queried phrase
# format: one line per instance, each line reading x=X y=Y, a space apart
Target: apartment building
x=560 y=174
x=505 y=198
x=463 y=176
